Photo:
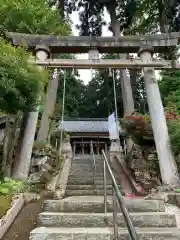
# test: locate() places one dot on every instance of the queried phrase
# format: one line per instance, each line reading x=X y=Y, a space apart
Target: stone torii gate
x=145 y=46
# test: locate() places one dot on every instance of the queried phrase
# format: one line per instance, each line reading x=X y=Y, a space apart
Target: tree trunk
x=19 y=142
x=5 y=147
x=126 y=88
x=12 y=139
x=22 y=166
x=48 y=109
x=61 y=8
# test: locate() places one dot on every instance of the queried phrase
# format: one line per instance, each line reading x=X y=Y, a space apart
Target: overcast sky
x=86 y=74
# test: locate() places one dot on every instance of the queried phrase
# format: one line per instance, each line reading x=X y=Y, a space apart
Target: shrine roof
x=89 y=125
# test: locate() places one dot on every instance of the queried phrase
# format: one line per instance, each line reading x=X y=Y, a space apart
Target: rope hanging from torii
x=62 y=112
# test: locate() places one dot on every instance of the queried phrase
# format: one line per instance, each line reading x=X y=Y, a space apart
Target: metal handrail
x=117 y=196
x=94 y=163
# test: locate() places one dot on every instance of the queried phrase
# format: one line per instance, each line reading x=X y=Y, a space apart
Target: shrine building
x=84 y=131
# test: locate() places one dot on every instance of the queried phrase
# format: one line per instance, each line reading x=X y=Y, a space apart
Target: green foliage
x=5 y=203
x=73 y=95
x=151 y=16
x=139 y=128
x=98 y=99
x=10 y=185
x=170 y=88
x=146 y=17
x=20 y=81
x=31 y=16
x=174 y=133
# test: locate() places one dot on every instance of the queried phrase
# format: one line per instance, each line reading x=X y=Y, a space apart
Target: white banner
x=112 y=127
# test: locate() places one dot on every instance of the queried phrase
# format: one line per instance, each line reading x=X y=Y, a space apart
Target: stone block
x=102 y=233
x=40 y=177
x=46 y=166
x=140 y=220
x=96 y=204
x=39 y=160
x=172 y=198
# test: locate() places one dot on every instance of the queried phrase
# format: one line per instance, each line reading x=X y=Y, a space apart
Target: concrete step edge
x=44 y=233
x=96 y=204
x=142 y=220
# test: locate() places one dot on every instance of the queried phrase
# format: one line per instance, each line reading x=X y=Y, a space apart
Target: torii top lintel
x=72 y=44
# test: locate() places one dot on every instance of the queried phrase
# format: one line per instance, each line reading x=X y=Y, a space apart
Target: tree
x=20 y=82
x=170 y=88
x=29 y=17
x=98 y=99
x=73 y=95
x=153 y=16
x=91 y=22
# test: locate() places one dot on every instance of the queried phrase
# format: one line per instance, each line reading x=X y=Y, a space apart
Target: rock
x=40 y=177
x=172 y=198
x=46 y=166
x=39 y=160
x=66 y=149
x=51 y=186
x=153 y=191
x=152 y=156
x=167 y=188
x=38 y=153
x=45 y=176
x=34 y=178
x=154 y=197
x=30 y=197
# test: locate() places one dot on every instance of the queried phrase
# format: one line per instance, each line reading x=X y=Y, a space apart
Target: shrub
x=7 y=188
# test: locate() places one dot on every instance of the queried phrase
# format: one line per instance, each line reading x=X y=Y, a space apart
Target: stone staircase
x=79 y=217
x=81 y=180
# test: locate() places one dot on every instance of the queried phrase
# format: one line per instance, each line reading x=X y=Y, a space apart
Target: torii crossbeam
x=108 y=63
x=71 y=44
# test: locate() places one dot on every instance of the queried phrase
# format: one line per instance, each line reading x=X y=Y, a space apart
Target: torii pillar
x=22 y=167
x=168 y=167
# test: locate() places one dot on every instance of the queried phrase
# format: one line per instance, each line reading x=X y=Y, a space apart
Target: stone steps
x=82 y=217
x=86 y=174
x=87 y=187
x=89 y=170
x=85 y=192
x=97 y=233
x=96 y=204
x=88 y=181
x=142 y=220
x=80 y=187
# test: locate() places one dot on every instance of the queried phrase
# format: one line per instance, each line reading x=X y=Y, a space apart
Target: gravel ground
x=25 y=221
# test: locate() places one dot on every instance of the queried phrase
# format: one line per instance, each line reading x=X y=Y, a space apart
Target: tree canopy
x=74 y=92
x=20 y=81
x=98 y=99
x=31 y=16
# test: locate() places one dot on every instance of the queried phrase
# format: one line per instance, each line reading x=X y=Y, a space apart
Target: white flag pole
x=115 y=104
